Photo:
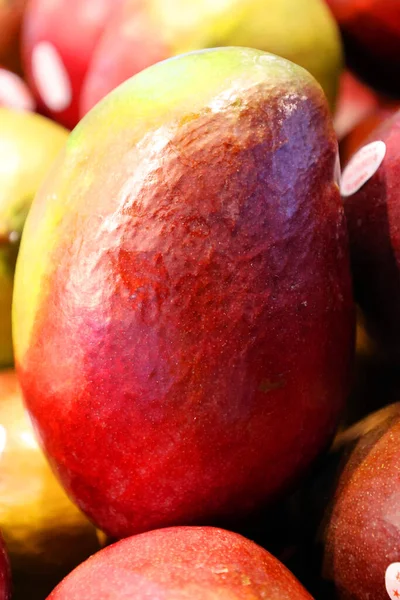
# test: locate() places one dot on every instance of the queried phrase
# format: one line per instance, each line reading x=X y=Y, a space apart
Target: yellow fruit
x=302 y=31
x=28 y=145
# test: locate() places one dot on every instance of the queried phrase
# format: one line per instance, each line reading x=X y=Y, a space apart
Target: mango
x=188 y=341
x=29 y=144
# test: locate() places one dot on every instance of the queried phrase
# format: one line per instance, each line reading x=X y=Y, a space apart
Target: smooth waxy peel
x=373 y=220
x=191 y=242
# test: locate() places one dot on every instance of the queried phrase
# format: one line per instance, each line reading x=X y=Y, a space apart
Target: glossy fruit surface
x=46 y=535
x=192 y=251
x=144 y=32
x=58 y=39
x=362 y=529
x=373 y=216
x=182 y=563
x=29 y=144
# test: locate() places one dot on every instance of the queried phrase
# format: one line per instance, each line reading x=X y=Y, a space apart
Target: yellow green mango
x=29 y=144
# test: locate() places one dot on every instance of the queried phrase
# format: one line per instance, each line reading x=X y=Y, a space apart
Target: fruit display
x=362 y=525
x=45 y=534
x=29 y=144
x=14 y=93
x=118 y=38
x=199 y=290
x=371 y=36
x=171 y=282
x=373 y=219
x=201 y=563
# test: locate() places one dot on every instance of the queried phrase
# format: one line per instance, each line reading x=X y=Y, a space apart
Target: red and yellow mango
x=187 y=345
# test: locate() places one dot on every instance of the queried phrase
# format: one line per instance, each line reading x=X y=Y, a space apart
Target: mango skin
x=361 y=524
x=182 y=563
x=29 y=144
x=143 y=32
x=191 y=242
x=373 y=222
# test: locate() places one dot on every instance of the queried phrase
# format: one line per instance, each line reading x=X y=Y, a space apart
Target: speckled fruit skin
x=146 y=31
x=73 y=27
x=5 y=576
x=373 y=217
x=371 y=35
x=362 y=528
x=191 y=244
x=196 y=563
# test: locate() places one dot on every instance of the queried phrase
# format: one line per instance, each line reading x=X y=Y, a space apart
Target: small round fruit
x=196 y=563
